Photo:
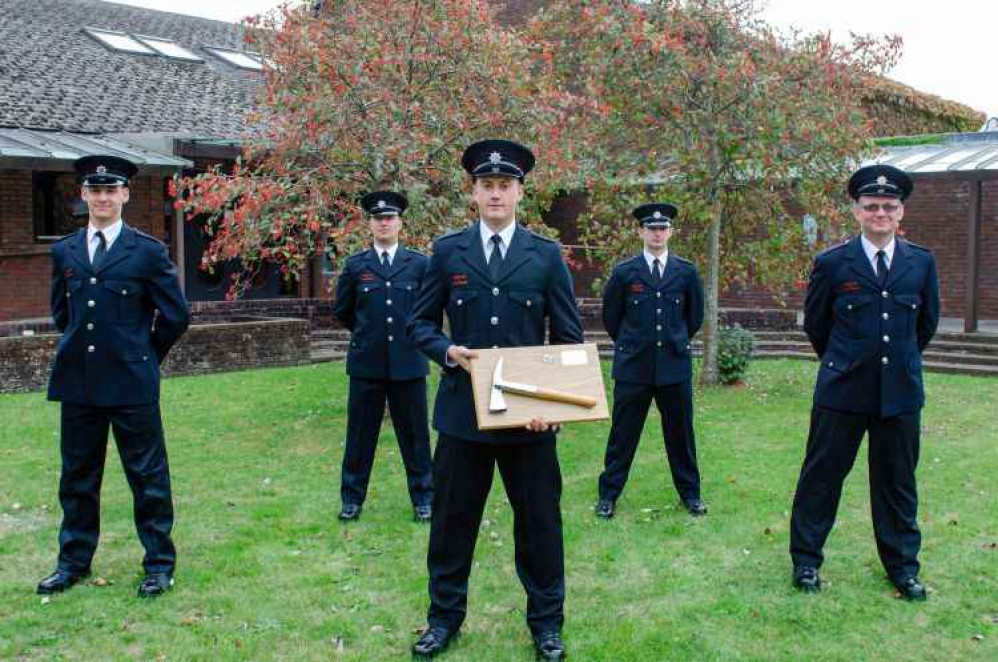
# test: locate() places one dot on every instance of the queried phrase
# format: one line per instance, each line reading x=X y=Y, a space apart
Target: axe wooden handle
x=553 y=396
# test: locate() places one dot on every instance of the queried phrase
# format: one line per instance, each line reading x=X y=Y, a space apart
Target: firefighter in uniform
x=374 y=295
x=500 y=285
x=652 y=307
x=872 y=306
x=118 y=303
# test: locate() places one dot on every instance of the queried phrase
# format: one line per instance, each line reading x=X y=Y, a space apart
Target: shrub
x=735 y=345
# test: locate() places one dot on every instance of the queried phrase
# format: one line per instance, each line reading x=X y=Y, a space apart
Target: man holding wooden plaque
x=501 y=286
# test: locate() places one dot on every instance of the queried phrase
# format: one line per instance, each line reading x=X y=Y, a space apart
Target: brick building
x=80 y=77
x=953 y=211
x=173 y=92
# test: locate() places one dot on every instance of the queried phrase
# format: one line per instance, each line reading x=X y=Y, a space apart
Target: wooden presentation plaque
x=571 y=369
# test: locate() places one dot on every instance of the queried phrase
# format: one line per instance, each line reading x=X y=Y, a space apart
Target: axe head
x=497 y=403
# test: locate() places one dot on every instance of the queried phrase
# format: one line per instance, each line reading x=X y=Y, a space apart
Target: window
x=169 y=48
x=240 y=59
x=119 y=41
x=58 y=209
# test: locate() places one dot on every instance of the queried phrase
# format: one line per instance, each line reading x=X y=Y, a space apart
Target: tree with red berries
x=363 y=95
x=702 y=103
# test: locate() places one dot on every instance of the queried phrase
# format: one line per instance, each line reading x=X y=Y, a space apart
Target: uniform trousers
x=832 y=445
x=407 y=406
x=462 y=473
x=138 y=433
x=630 y=409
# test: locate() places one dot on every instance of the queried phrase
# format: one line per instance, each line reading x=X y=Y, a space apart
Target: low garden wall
x=221 y=345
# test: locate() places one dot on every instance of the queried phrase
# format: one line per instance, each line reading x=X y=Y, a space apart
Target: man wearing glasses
x=872 y=306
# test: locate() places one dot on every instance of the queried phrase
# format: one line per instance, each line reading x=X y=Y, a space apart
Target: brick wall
x=25 y=267
x=205 y=348
x=935 y=217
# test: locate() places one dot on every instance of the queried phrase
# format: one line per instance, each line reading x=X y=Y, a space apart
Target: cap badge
x=381 y=204
x=881 y=180
x=657 y=214
x=101 y=170
x=495 y=157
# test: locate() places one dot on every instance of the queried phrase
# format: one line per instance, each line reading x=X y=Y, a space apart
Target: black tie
x=882 y=266
x=384 y=260
x=100 y=252
x=656 y=271
x=495 y=258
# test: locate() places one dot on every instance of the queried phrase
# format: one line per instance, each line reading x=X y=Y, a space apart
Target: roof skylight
x=119 y=41
x=241 y=59
x=169 y=48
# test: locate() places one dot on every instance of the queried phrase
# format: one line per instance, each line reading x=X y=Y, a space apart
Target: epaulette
x=415 y=252
x=684 y=260
x=62 y=239
x=142 y=234
x=355 y=256
x=914 y=245
x=832 y=249
x=542 y=237
x=450 y=235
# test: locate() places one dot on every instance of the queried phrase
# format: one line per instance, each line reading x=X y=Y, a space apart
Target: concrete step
x=964 y=358
x=963 y=346
x=325 y=356
x=961 y=368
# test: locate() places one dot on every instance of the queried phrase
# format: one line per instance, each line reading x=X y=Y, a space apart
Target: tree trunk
x=708 y=367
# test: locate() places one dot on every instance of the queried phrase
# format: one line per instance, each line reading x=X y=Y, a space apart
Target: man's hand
x=540 y=425
x=461 y=355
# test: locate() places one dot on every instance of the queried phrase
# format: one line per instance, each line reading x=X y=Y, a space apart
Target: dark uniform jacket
x=110 y=350
x=374 y=303
x=534 y=287
x=870 y=338
x=652 y=325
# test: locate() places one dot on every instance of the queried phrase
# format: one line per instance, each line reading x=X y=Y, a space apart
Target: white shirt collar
x=391 y=252
x=871 y=251
x=111 y=233
x=506 y=235
x=650 y=259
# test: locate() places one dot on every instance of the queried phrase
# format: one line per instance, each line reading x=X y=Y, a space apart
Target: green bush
x=734 y=348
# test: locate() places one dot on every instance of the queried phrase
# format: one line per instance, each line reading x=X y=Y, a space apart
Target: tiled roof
x=53 y=75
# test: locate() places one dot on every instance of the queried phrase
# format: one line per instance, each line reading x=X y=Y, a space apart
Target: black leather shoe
x=350 y=512
x=549 y=646
x=911 y=589
x=155 y=584
x=606 y=508
x=433 y=641
x=60 y=580
x=695 y=507
x=806 y=578
x=423 y=513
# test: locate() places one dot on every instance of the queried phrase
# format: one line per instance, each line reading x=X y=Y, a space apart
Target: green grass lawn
x=267 y=573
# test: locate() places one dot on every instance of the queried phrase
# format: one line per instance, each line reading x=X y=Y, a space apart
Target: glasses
x=873 y=208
